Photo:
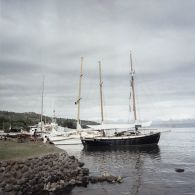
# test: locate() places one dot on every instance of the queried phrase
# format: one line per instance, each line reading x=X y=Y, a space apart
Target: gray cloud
x=48 y=38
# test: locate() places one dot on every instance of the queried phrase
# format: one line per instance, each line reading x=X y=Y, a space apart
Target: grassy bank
x=13 y=150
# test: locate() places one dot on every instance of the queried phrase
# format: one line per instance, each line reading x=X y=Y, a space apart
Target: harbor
x=132 y=166
x=97 y=97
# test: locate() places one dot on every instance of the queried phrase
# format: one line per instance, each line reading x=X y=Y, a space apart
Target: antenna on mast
x=101 y=98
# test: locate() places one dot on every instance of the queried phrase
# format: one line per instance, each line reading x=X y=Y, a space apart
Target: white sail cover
x=119 y=126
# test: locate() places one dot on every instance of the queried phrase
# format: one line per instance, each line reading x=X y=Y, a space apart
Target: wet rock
x=93 y=179
x=179 y=170
x=85 y=171
x=81 y=164
x=72 y=157
x=85 y=181
x=103 y=178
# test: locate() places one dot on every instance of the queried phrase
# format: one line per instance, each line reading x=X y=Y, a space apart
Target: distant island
x=175 y=123
x=24 y=120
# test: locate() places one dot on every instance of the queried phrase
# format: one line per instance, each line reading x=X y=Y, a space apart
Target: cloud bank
x=48 y=38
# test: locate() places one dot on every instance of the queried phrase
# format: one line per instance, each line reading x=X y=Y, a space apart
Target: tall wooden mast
x=132 y=73
x=42 y=103
x=101 y=96
x=79 y=95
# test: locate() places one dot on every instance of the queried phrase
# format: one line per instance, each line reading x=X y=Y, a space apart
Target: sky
x=47 y=39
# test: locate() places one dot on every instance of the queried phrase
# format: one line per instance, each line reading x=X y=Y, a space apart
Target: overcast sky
x=48 y=38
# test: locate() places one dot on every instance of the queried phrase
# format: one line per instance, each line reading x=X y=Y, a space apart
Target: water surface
x=146 y=170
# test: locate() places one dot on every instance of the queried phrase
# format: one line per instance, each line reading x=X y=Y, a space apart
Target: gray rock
x=18 y=174
x=13 y=181
x=53 y=187
x=8 y=188
x=179 y=170
x=2 y=169
x=16 y=167
x=72 y=182
x=81 y=164
x=4 y=163
x=2 y=184
x=72 y=157
x=85 y=171
x=21 y=181
x=8 y=168
x=16 y=187
x=24 y=169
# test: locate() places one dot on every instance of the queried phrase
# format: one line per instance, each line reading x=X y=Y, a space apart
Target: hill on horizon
x=26 y=119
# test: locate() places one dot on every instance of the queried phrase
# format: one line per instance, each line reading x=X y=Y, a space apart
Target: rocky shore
x=37 y=175
x=48 y=174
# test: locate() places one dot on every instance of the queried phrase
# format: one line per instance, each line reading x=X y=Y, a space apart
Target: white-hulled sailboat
x=73 y=136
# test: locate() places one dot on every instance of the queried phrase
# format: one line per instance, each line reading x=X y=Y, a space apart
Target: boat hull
x=152 y=138
x=76 y=141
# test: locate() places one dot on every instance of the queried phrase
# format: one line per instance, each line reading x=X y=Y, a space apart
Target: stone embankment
x=49 y=173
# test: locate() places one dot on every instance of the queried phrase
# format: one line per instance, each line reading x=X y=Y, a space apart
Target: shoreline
x=49 y=171
x=45 y=172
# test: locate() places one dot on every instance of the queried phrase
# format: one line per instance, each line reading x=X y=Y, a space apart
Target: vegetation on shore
x=24 y=120
x=11 y=149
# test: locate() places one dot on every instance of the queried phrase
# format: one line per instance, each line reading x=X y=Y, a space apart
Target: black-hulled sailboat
x=125 y=134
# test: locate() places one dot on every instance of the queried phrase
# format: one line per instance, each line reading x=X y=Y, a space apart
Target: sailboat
x=39 y=128
x=45 y=129
x=131 y=134
x=72 y=136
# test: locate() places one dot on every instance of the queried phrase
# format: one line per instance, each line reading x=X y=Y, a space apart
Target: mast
x=54 y=117
x=132 y=73
x=10 y=125
x=3 y=125
x=101 y=98
x=42 y=104
x=79 y=96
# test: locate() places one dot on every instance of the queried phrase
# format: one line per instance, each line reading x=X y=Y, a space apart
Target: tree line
x=15 y=120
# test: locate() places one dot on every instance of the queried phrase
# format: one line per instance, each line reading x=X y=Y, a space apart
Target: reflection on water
x=121 y=150
x=147 y=170
x=114 y=159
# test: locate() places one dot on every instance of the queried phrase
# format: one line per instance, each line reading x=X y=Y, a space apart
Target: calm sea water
x=146 y=171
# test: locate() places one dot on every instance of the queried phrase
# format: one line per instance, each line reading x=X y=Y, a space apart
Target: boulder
x=179 y=170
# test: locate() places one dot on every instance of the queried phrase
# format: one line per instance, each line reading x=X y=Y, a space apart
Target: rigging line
x=138 y=105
